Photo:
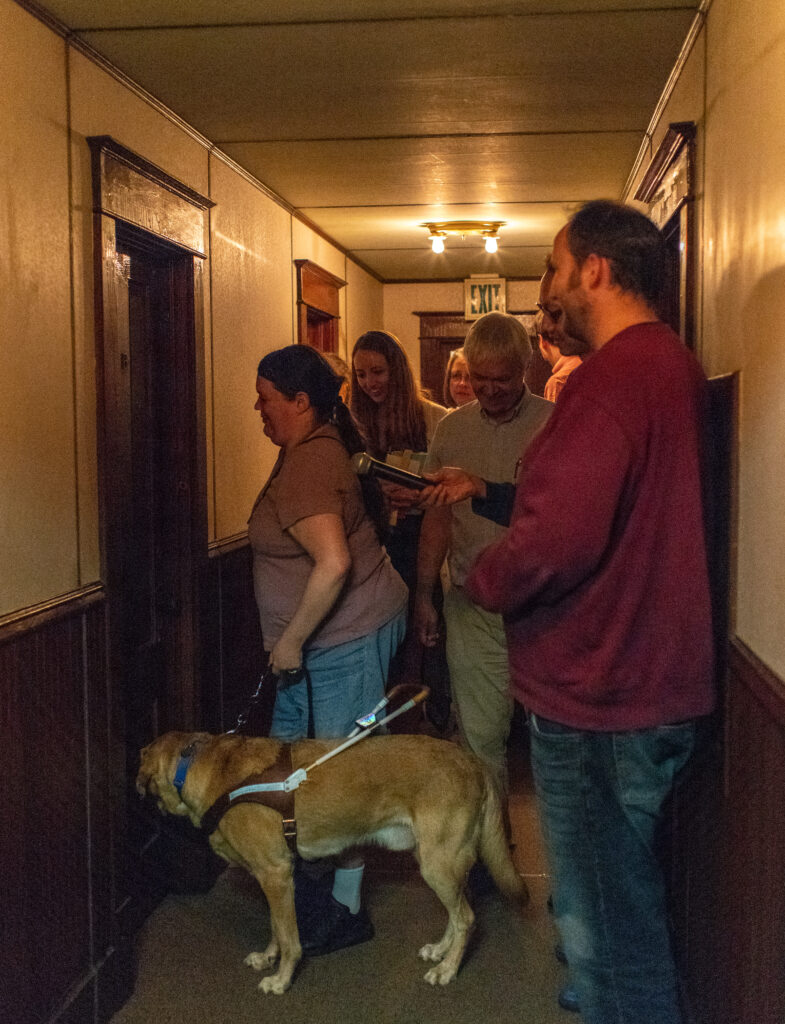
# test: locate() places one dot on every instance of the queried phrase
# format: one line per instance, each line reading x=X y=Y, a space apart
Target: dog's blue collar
x=186 y=757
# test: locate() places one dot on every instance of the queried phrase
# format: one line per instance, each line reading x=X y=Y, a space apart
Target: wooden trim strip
x=679 y=135
x=138 y=164
x=227 y=545
x=26 y=620
x=761 y=681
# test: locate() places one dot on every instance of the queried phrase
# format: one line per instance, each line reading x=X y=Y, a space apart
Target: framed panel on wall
x=318 y=306
x=668 y=188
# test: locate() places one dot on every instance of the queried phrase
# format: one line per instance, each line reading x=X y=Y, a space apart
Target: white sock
x=346 y=887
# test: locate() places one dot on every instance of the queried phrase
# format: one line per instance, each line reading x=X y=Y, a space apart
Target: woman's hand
x=286 y=655
x=451 y=485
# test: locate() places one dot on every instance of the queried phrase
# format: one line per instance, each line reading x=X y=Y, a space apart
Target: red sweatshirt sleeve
x=570 y=491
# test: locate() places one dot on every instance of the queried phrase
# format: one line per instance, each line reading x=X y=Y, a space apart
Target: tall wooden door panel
x=153 y=557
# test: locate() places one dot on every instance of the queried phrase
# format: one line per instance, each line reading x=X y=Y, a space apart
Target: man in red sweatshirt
x=602 y=582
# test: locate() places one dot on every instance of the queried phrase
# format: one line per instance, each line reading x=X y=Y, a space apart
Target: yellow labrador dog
x=401 y=792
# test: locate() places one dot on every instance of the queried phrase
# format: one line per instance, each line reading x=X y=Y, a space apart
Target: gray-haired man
x=487 y=438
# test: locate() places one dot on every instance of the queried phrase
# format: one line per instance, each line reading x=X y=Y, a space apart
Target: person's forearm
x=432 y=548
x=320 y=594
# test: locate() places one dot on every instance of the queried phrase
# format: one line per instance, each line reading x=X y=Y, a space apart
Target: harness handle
x=421 y=693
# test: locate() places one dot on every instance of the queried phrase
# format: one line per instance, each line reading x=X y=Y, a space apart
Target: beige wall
x=49 y=523
x=744 y=289
x=251 y=315
x=39 y=528
x=733 y=87
x=364 y=305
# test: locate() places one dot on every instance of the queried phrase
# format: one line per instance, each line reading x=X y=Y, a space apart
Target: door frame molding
x=127 y=189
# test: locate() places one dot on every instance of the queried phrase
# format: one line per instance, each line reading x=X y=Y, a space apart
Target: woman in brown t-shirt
x=329 y=600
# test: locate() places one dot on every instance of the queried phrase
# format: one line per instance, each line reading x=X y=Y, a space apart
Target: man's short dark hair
x=632 y=244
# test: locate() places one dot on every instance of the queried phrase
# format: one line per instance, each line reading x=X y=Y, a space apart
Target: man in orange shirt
x=562 y=352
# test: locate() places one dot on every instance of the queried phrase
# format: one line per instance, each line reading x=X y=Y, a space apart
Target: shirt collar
x=513 y=414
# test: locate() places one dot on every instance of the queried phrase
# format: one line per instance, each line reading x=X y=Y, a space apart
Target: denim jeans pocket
x=647 y=764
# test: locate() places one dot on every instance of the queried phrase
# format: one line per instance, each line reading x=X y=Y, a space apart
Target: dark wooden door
x=154 y=549
x=149 y=555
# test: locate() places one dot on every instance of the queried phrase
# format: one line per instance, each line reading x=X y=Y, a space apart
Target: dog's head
x=157 y=767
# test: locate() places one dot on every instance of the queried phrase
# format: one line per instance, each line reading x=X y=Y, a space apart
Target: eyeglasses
x=554 y=314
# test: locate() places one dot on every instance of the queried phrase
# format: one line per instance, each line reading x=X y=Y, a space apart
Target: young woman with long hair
x=398 y=421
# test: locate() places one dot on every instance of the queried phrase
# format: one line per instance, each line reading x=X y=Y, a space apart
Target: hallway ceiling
x=371 y=117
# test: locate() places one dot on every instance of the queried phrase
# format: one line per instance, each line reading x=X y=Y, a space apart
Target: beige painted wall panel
x=364 y=305
x=251 y=315
x=308 y=245
x=402 y=300
x=744 y=298
x=38 y=515
x=522 y=295
x=102 y=105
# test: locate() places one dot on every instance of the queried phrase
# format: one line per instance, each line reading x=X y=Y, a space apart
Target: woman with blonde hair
x=457 y=389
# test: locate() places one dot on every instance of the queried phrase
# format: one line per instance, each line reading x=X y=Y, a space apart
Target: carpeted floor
x=191 y=951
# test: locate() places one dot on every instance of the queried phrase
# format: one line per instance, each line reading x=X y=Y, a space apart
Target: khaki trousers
x=479 y=676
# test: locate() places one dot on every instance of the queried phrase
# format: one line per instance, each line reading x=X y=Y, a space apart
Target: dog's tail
x=494 y=847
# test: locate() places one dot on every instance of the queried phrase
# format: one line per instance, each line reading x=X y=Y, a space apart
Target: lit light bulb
x=491 y=245
x=437 y=243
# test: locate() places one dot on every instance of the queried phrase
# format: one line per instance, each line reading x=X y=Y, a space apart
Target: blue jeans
x=347 y=682
x=600 y=799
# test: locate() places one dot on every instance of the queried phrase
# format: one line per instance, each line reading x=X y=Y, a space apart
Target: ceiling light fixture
x=489 y=230
x=437 y=242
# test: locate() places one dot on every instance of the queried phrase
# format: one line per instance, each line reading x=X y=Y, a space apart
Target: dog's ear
x=157 y=766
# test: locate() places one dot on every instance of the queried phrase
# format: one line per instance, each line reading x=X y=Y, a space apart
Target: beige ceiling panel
x=371 y=79
x=498 y=168
x=423 y=265
x=401 y=227
x=89 y=14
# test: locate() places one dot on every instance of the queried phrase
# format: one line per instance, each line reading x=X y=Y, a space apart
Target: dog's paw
x=275 y=985
x=262 y=961
x=433 y=952
x=441 y=974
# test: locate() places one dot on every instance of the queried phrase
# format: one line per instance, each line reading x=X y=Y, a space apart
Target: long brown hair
x=399 y=422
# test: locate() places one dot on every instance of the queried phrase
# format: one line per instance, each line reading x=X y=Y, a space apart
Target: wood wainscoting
x=233 y=655
x=753 y=876
x=55 y=841
x=65 y=928
x=728 y=871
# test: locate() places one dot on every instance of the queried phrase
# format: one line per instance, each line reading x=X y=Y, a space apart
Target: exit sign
x=484 y=294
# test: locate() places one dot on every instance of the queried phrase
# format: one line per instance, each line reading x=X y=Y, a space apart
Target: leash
x=289 y=677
